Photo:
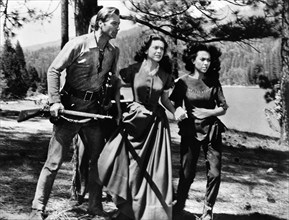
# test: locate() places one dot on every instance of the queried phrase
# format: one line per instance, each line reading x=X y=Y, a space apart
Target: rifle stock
x=31 y=113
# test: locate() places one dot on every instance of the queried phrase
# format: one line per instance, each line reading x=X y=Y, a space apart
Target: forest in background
x=241 y=64
x=257 y=63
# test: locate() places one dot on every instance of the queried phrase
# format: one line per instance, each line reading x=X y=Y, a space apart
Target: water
x=246 y=109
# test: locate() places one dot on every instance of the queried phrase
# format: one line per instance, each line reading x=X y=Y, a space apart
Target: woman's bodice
x=146 y=89
x=198 y=93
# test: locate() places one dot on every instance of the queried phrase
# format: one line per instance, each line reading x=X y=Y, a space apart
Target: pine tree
x=21 y=60
x=20 y=55
x=3 y=83
x=34 y=79
x=11 y=70
x=42 y=88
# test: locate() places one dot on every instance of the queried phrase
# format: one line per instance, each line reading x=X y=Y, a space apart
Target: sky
x=42 y=32
x=34 y=33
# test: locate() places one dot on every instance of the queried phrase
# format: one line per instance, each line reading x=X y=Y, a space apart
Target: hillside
x=239 y=62
x=36 y=47
x=41 y=56
x=57 y=43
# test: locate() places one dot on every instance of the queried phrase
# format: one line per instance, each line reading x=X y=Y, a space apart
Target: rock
x=247 y=206
x=270 y=198
x=241 y=146
x=270 y=170
x=236 y=159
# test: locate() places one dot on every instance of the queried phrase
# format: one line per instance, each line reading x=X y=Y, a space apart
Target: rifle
x=31 y=113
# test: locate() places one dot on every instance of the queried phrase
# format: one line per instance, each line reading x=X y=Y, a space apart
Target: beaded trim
x=196 y=90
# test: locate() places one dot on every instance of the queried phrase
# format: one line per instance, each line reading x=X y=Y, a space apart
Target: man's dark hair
x=102 y=15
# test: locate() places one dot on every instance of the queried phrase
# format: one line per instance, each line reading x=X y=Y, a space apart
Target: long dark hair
x=191 y=52
x=165 y=63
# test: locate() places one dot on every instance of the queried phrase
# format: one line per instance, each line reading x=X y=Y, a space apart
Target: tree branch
x=157 y=15
x=185 y=39
x=136 y=20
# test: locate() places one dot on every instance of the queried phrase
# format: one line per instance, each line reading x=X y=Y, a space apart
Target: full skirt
x=136 y=167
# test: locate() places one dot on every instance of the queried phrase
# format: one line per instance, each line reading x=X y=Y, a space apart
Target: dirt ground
x=254 y=184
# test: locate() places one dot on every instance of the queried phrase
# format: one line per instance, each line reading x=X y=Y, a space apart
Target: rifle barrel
x=84 y=114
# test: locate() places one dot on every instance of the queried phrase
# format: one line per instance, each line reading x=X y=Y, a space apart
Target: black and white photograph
x=144 y=110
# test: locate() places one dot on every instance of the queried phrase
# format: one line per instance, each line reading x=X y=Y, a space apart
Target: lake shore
x=246 y=111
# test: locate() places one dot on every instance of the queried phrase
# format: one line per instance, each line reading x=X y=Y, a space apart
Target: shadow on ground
x=23 y=153
x=253 y=216
x=241 y=160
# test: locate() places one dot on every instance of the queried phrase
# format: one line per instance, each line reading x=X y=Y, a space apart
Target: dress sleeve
x=169 y=83
x=220 y=98
x=127 y=74
x=178 y=93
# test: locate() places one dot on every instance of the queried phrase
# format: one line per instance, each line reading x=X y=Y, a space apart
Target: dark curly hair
x=165 y=63
x=190 y=54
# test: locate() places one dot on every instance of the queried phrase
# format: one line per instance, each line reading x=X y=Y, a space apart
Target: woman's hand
x=202 y=113
x=180 y=114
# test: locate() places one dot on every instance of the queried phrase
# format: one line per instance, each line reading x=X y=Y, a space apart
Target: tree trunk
x=64 y=22
x=175 y=66
x=84 y=10
x=285 y=73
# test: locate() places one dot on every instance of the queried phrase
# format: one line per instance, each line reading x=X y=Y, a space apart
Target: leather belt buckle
x=88 y=96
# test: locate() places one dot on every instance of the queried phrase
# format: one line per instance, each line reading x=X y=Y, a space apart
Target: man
x=80 y=161
x=87 y=60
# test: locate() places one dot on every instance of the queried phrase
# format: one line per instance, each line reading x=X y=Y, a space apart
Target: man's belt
x=85 y=95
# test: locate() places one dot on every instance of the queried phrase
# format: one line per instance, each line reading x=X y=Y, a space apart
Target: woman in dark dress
x=135 y=165
x=201 y=93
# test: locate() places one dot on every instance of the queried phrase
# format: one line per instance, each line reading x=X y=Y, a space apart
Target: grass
x=254 y=176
